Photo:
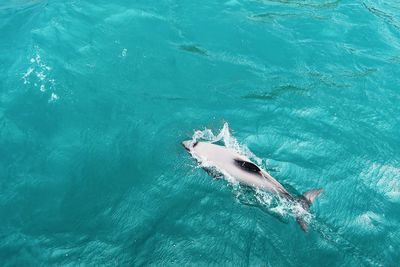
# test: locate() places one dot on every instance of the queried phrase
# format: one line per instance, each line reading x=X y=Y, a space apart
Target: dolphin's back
x=236 y=166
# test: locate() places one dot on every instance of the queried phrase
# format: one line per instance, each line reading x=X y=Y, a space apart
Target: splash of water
x=228 y=140
x=39 y=74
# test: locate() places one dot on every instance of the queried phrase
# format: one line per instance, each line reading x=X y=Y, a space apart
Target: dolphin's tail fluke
x=306 y=200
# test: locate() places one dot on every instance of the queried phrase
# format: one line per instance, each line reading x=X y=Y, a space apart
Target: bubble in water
x=42 y=76
x=124 y=52
x=53 y=97
x=27 y=74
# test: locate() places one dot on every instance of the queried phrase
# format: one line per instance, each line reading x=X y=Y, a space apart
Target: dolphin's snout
x=187 y=144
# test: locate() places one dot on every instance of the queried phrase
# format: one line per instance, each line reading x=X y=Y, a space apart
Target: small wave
x=311 y=4
x=385 y=179
x=384 y=15
x=127 y=15
x=19 y=4
x=368 y=221
x=232 y=3
x=239 y=60
x=335 y=237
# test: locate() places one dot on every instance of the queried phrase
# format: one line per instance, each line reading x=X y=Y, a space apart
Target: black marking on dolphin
x=187 y=148
x=247 y=166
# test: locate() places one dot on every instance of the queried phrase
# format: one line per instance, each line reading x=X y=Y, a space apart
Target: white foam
x=53 y=97
x=42 y=77
x=124 y=52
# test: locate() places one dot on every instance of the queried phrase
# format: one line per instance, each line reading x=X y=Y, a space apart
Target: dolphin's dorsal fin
x=310 y=195
x=247 y=166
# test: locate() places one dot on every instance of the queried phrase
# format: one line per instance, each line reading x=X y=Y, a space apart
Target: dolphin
x=239 y=167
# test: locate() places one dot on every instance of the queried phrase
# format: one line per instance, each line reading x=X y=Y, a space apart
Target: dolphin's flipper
x=306 y=200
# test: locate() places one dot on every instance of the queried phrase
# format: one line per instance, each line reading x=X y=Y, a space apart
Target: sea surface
x=97 y=96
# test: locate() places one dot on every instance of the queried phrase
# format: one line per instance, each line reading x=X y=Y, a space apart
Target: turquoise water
x=96 y=97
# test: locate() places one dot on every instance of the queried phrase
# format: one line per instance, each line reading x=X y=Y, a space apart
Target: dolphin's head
x=189 y=144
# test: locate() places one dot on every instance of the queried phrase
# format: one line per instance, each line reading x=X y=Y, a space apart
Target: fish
x=193 y=49
x=242 y=169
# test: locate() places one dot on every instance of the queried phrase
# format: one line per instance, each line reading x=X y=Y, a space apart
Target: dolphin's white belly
x=223 y=159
